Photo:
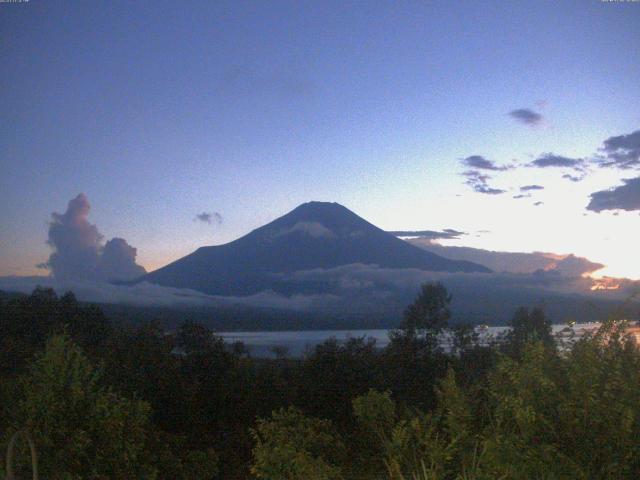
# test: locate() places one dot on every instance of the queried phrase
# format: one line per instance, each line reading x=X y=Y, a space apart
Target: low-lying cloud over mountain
x=320 y=259
x=78 y=251
x=514 y=262
x=313 y=235
x=446 y=234
x=312 y=229
x=148 y=294
x=358 y=291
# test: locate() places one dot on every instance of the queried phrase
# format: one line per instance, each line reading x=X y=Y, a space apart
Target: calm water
x=261 y=344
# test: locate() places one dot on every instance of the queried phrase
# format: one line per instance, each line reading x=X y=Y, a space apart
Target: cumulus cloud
x=75 y=241
x=623 y=197
x=481 y=163
x=78 y=252
x=209 y=217
x=528 y=188
x=446 y=234
x=118 y=261
x=622 y=151
x=526 y=116
x=479 y=182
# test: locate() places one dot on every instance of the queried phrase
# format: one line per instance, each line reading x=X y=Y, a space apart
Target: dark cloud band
x=209 y=217
x=551 y=160
x=624 y=197
x=446 y=234
x=622 y=151
x=481 y=163
x=526 y=116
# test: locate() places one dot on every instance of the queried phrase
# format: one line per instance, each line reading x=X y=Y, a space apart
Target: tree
x=463 y=338
x=200 y=465
x=529 y=326
x=193 y=338
x=336 y=372
x=429 y=313
x=376 y=413
x=413 y=362
x=292 y=446
x=26 y=323
x=81 y=428
x=87 y=325
x=414 y=445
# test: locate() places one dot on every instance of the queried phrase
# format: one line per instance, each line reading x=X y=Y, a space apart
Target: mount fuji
x=315 y=235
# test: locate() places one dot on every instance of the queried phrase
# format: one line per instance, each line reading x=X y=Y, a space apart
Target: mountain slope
x=315 y=235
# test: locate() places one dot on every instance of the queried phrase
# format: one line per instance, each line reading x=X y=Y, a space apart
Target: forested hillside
x=123 y=402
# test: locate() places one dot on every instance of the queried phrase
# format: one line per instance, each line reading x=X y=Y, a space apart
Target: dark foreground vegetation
x=112 y=402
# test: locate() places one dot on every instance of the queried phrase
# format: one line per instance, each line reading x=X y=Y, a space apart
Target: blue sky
x=161 y=110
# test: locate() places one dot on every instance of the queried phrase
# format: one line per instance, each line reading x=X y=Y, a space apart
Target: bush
x=294 y=447
x=81 y=428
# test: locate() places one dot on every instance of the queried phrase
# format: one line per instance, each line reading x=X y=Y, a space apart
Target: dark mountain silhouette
x=315 y=235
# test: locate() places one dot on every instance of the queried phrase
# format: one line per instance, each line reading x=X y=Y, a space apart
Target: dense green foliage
x=292 y=446
x=542 y=415
x=113 y=401
x=80 y=426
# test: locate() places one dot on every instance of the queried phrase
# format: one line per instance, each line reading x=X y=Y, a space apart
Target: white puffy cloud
x=78 y=251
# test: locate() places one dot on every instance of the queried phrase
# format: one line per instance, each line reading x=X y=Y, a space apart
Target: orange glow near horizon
x=605 y=283
x=608 y=272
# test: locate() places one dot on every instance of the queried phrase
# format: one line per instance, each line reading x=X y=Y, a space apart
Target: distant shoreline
x=296 y=342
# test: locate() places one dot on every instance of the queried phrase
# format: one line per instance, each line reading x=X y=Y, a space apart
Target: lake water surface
x=261 y=344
